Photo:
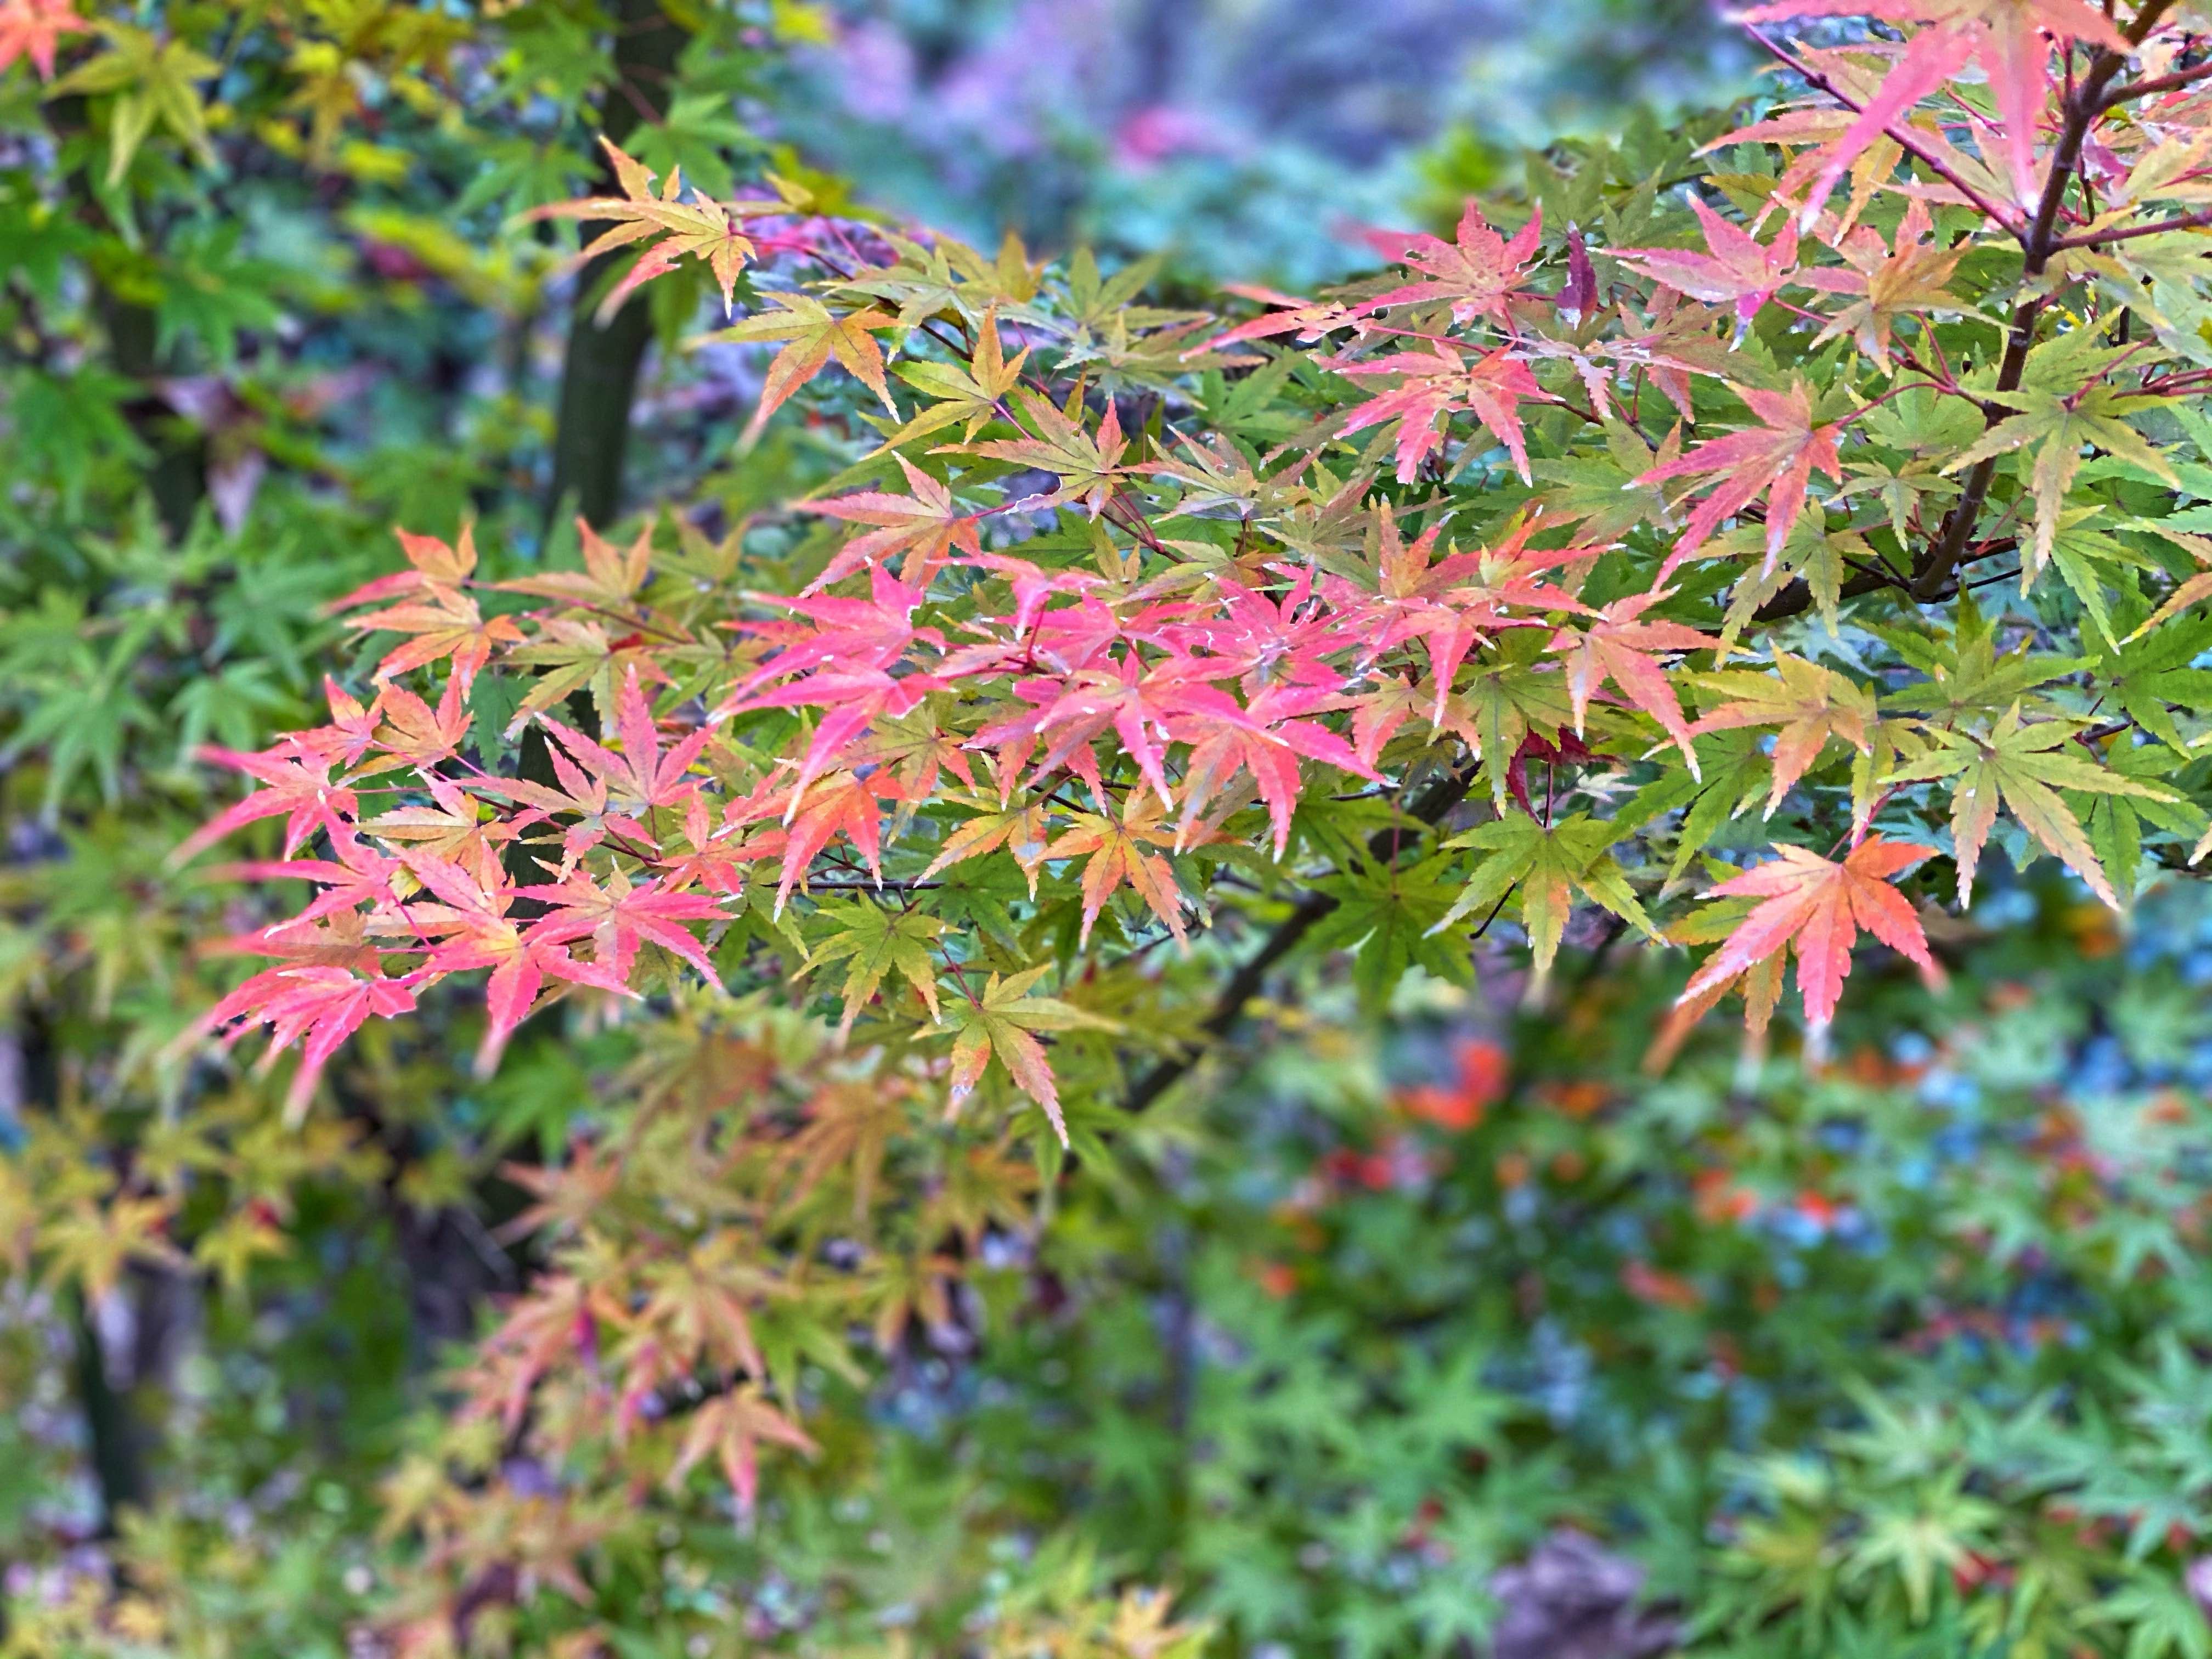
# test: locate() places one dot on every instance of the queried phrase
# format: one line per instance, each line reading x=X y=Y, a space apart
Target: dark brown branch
x=1428 y=808
x=2154 y=85
x=2039 y=241
x=2105 y=238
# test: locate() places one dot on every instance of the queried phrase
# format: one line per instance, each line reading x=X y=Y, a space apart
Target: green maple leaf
x=1001 y=1026
x=1549 y=865
x=968 y=392
x=1602 y=491
x=2148 y=674
x=2083 y=557
x=154 y=81
x=1502 y=697
x=2023 y=766
x=1965 y=676
x=872 y=941
x=1389 y=915
x=2057 y=415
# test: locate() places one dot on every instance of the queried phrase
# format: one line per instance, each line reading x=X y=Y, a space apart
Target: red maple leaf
x=323 y=1003
x=1777 y=457
x=1818 y=907
x=299 y=785
x=616 y=917
x=1115 y=851
x=1735 y=268
x=471 y=920
x=1480 y=273
x=414 y=734
x=837 y=803
x=1618 y=646
x=1310 y=318
x=871 y=633
x=2012 y=40
x=34 y=28
x=1263 y=740
x=361 y=875
x=444 y=620
x=1436 y=384
x=925 y=527
x=1073 y=710
x=630 y=785
x=1266 y=639
x=853 y=703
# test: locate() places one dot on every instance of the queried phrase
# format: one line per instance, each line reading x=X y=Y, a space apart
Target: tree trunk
x=598 y=376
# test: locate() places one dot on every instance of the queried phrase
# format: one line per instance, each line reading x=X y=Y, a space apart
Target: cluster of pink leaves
x=1211 y=698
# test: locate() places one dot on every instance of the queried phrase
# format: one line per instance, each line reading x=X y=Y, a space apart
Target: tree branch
x=1429 y=807
x=2105 y=238
x=2154 y=86
x=2083 y=105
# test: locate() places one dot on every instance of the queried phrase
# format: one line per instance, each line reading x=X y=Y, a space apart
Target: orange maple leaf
x=1818 y=907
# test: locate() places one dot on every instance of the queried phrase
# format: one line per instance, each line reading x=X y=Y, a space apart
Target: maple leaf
x=1264 y=742
x=1022 y=830
x=709 y=231
x=1001 y=1026
x=431 y=565
x=1809 y=704
x=1735 y=268
x=854 y=702
x=873 y=941
x=155 y=76
x=1089 y=467
x=1817 y=909
x=1412 y=601
x=1888 y=283
x=34 y=29
x=2020 y=764
x=837 y=803
x=2059 y=415
x=1435 y=385
x=1114 y=848
x=297 y=785
x=733 y=1427
x=470 y=917
x=1268 y=642
x=973 y=394
x=1478 y=273
x=324 y=1003
x=813 y=336
x=925 y=527
x=1776 y=457
x=640 y=781
x=2007 y=37
x=610 y=580
x=1617 y=645
x=351 y=731
x=361 y=875
x=1082 y=706
x=1308 y=318
x=414 y=733
x=871 y=633
x=617 y=916
x=445 y=621
x=1549 y=864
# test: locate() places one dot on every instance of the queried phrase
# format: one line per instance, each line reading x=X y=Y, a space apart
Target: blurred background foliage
x=1456 y=1331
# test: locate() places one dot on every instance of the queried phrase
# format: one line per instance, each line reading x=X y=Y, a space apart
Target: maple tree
x=1712 y=575
x=1165 y=652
